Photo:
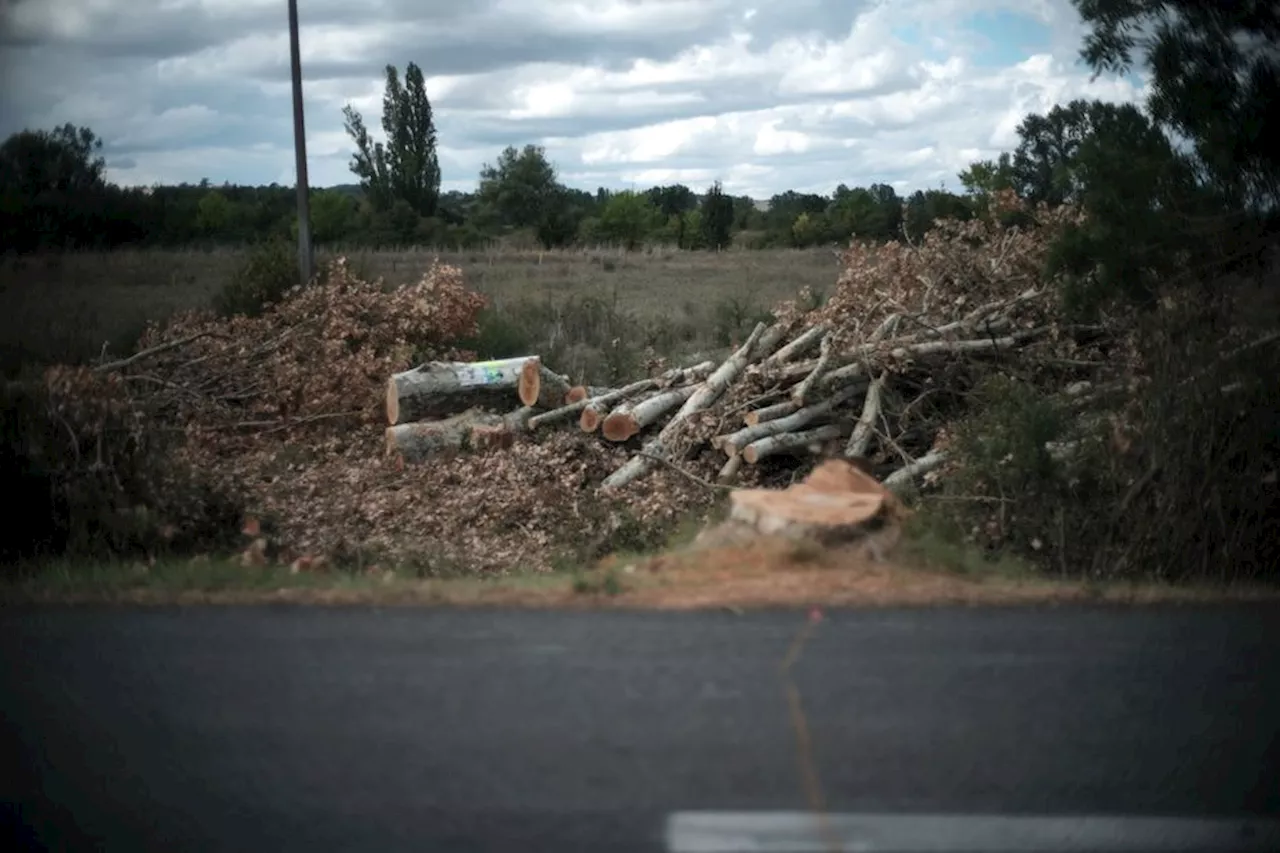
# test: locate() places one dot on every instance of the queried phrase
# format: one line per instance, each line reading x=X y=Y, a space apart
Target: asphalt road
x=281 y=729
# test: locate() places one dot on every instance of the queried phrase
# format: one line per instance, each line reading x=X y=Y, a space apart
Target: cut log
x=861 y=437
x=567 y=411
x=769 y=341
x=733 y=443
x=801 y=392
x=904 y=476
x=710 y=390
x=501 y=435
x=685 y=375
x=729 y=470
x=769 y=413
x=791 y=442
x=540 y=387
x=472 y=429
x=626 y=421
x=593 y=411
x=802 y=343
x=578 y=393
x=447 y=387
x=706 y=394
x=887 y=327
x=975 y=345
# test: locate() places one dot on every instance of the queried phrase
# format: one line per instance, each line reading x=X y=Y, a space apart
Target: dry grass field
x=593 y=314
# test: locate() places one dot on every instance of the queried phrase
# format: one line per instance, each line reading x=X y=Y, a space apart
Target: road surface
x=314 y=729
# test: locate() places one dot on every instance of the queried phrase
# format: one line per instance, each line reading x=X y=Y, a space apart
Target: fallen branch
x=907 y=473
x=729 y=471
x=801 y=344
x=805 y=388
x=694 y=477
x=153 y=351
x=683 y=375
x=567 y=411
x=789 y=442
x=706 y=394
x=862 y=431
x=733 y=443
x=769 y=413
x=962 y=346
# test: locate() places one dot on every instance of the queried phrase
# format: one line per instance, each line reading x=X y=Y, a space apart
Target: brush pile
x=875 y=374
x=315 y=419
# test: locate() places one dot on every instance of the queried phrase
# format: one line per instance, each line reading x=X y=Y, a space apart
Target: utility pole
x=305 y=258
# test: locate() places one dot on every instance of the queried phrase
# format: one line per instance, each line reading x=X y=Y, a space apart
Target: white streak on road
x=797 y=832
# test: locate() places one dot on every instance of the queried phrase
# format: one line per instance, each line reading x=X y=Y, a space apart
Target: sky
x=762 y=96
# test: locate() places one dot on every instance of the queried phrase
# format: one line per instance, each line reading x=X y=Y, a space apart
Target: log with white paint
x=447 y=387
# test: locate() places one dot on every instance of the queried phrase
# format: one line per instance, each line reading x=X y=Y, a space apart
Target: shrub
x=1170 y=477
x=267 y=274
x=90 y=476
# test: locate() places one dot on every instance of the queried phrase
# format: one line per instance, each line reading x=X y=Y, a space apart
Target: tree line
x=1214 y=72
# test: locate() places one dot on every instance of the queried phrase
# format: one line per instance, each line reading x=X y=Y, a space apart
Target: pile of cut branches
x=490 y=466
x=875 y=374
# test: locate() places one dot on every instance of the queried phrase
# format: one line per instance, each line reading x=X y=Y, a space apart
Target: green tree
x=672 y=200
x=53 y=191
x=1044 y=165
x=63 y=161
x=1141 y=195
x=215 y=215
x=985 y=177
x=333 y=216
x=716 y=217
x=1214 y=69
x=520 y=190
x=806 y=230
x=628 y=218
x=405 y=168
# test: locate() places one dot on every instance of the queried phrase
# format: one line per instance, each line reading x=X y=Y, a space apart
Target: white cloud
x=804 y=95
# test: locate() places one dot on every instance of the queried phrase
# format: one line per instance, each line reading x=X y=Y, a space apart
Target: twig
x=155 y=350
x=694 y=477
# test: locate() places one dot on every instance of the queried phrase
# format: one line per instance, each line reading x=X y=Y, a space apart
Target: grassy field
x=593 y=314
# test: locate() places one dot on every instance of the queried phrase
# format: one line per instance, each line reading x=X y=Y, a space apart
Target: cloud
x=765 y=97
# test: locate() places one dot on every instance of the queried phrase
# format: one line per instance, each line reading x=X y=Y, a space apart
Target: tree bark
x=769 y=413
x=704 y=396
x=625 y=421
x=801 y=344
x=470 y=430
x=789 y=442
x=593 y=411
x=444 y=388
x=733 y=443
x=683 y=375
x=567 y=411
x=802 y=391
x=861 y=437
x=907 y=473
